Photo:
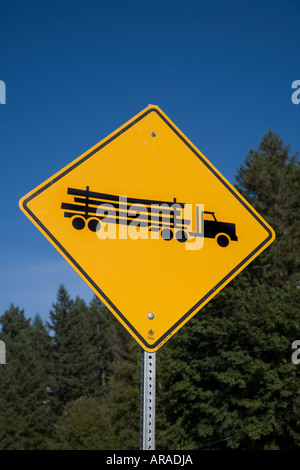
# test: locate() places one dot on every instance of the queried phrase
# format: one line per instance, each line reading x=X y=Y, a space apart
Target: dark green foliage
x=109 y=340
x=84 y=425
x=225 y=380
x=65 y=352
x=122 y=401
x=270 y=180
x=234 y=368
x=25 y=415
x=236 y=374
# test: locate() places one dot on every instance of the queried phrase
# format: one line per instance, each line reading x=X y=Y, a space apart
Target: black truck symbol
x=162 y=216
x=222 y=231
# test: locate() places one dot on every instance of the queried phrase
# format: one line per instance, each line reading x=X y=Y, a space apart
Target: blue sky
x=77 y=70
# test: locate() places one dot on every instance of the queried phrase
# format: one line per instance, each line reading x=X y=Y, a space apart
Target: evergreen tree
x=25 y=420
x=109 y=338
x=121 y=402
x=270 y=181
x=84 y=425
x=69 y=346
x=229 y=377
x=96 y=405
x=60 y=367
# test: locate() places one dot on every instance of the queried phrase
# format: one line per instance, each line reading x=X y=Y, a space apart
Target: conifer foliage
x=225 y=380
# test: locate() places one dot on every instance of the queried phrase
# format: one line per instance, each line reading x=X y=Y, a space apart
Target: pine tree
x=270 y=181
x=121 y=402
x=68 y=341
x=109 y=339
x=92 y=359
x=228 y=377
x=24 y=380
x=84 y=425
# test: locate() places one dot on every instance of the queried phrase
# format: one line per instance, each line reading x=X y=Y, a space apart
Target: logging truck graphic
x=91 y=208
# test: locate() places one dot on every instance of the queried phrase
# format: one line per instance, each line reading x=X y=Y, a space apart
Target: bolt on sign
x=150 y=224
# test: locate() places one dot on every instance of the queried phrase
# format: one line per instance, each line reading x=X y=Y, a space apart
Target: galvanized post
x=148 y=372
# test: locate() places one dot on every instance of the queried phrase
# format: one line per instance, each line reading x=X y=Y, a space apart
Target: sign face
x=151 y=226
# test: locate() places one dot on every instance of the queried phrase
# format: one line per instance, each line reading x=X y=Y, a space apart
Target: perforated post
x=148 y=373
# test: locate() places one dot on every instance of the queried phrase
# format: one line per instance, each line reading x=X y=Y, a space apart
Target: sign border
x=150 y=347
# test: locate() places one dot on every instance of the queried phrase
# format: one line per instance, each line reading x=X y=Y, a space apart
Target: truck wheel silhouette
x=181 y=236
x=94 y=225
x=223 y=240
x=78 y=223
x=166 y=234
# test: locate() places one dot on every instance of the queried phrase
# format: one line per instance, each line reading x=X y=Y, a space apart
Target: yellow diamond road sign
x=150 y=224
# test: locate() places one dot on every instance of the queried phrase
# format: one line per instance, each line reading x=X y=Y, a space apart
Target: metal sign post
x=148 y=373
